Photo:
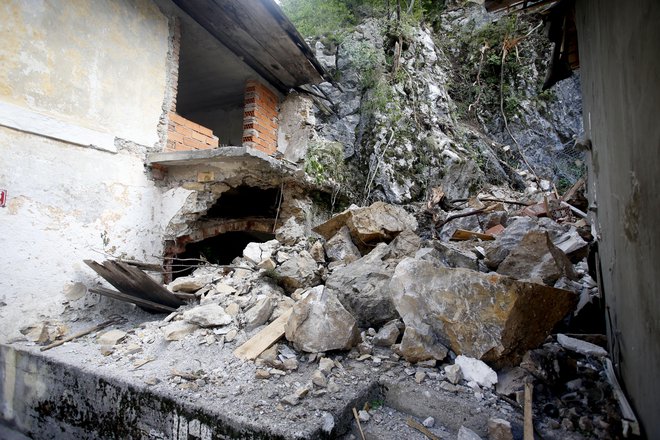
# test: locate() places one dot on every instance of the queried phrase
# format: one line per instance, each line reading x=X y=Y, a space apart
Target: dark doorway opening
x=221 y=249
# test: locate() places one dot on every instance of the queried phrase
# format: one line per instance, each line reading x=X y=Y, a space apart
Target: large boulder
x=485 y=316
x=536 y=258
x=498 y=250
x=320 y=323
x=363 y=287
x=372 y=224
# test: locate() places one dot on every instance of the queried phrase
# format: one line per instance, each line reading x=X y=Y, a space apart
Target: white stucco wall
x=98 y=64
x=91 y=68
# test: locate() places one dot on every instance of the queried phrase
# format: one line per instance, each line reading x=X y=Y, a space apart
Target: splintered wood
x=260 y=342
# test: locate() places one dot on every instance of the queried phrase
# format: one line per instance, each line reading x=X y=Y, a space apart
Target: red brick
x=185 y=131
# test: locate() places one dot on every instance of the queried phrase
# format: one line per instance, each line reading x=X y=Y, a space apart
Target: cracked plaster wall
x=101 y=66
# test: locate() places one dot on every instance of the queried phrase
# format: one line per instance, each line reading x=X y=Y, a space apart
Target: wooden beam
x=260 y=342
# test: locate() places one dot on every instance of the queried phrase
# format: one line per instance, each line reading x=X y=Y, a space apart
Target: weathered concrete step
x=47 y=398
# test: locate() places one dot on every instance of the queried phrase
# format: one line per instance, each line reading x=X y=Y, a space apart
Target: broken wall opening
x=240 y=215
x=221 y=249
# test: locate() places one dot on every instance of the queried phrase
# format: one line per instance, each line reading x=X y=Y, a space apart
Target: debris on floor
x=378 y=292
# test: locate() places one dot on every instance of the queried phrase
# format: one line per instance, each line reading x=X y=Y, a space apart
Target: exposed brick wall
x=183 y=134
x=260 y=117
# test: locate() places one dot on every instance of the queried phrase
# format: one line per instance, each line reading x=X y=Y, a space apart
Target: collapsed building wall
x=81 y=108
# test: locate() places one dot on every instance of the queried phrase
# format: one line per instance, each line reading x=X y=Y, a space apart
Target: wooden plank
x=528 y=426
x=629 y=418
x=260 y=342
x=149 y=286
x=145 y=304
x=134 y=282
x=463 y=234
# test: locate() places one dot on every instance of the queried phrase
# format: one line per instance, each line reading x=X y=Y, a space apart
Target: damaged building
x=148 y=131
x=175 y=266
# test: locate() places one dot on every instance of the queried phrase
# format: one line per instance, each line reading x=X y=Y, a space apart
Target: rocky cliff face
x=420 y=108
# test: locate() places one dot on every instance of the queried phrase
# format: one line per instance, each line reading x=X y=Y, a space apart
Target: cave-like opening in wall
x=241 y=215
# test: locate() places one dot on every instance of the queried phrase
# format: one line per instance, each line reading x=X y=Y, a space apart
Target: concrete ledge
x=216 y=155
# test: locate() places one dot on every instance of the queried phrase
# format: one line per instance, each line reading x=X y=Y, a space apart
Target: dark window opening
x=221 y=249
x=245 y=201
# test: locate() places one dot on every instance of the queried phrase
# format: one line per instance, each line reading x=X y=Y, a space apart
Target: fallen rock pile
x=371 y=290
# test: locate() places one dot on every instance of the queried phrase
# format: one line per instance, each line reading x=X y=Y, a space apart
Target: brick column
x=260 y=117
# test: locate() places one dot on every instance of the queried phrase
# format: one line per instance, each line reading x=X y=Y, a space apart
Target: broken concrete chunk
x=536 y=258
x=388 y=334
x=363 y=288
x=320 y=323
x=340 y=247
x=477 y=371
x=207 y=315
x=485 y=316
x=112 y=337
x=580 y=346
x=298 y=271
x=256 y=253
x=499 y=429
x=178 y=330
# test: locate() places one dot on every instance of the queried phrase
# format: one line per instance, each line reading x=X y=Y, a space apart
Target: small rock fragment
x=429 y=422
x=477 y=371
x=499 y=429
x=259 y=313
x=467 y=434
x=262 y=374
x=319 y=379
x=290 y=364
x=420 y=376
x=580 y=346
x=178 y=330
x=326 y=365
x=387 y=335
x=112 y=337
x=454 y=374
x=364 y=416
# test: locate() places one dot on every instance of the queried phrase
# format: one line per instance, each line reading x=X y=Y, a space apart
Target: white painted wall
x=66 y=203
x=76 y=73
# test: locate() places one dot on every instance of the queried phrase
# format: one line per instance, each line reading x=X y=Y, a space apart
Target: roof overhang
x=261 y=35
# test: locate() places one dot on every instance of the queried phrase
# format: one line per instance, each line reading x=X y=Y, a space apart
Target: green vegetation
x=325 y=163
x=331 y=18
x=477 y=73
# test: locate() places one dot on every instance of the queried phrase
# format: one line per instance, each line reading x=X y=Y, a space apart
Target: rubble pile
x=469 y=312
